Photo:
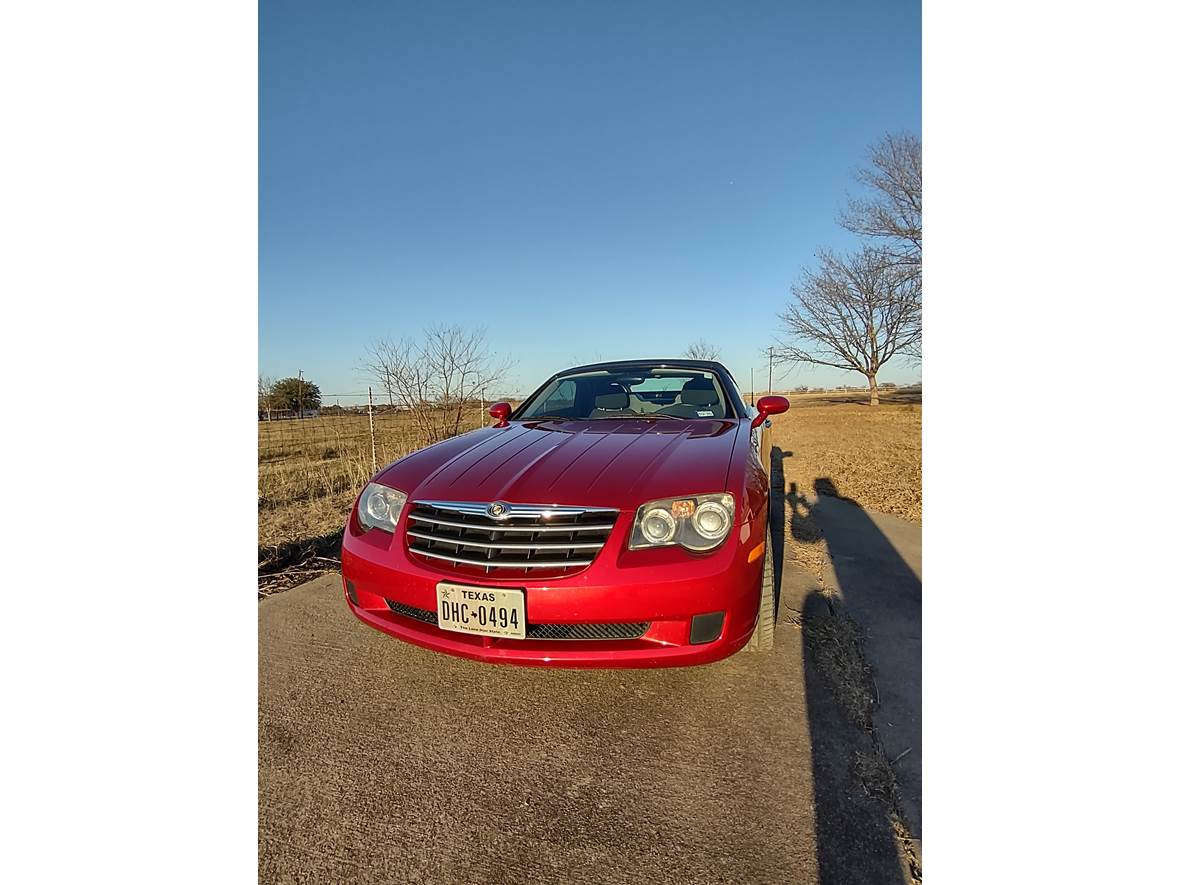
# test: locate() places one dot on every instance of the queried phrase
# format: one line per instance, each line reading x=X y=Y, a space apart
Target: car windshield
x=644 y=392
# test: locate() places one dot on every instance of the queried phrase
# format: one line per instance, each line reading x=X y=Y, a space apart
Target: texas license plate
x=481 y=610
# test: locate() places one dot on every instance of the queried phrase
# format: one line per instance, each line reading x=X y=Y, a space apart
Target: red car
x=616 y=518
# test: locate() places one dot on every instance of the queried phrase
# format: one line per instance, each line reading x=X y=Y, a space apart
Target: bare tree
x=266 y=387
x=855 y=312
x=702 y=350
x=892 y=211
x=438 y=379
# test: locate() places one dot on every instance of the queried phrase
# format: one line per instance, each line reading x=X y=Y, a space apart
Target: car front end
x=647 y=607
x=618 y=520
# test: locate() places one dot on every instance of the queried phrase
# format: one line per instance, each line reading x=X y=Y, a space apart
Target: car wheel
x=763 y=637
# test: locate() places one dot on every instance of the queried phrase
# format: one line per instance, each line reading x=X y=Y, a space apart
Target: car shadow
x=856 y=802
x=875 y=564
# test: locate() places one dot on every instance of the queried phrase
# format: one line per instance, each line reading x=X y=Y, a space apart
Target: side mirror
x=501 y=411
x=770 y=405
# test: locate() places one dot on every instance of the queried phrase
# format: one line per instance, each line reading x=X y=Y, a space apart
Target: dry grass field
x=310 y=471
x=872 y=456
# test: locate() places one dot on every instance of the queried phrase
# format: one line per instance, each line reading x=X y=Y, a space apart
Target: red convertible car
x=616 y=518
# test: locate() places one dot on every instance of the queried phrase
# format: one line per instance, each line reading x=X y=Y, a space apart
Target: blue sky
x=586 y=180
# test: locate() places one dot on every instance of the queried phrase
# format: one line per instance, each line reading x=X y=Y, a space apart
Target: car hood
x=600 y=463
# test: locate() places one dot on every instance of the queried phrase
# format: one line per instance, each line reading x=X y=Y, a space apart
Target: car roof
x=711 y=365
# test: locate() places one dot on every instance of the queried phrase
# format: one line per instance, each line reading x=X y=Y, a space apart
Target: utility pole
x=770 y=376
x=300 y=394
x=751 y=385
x=372 y=432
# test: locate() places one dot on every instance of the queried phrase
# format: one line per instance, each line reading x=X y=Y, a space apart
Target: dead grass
x=310 y=472
x=872 y=456
x=837 y=643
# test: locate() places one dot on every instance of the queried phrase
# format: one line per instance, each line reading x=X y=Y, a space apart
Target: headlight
x=697 y=522
x=657 y=526
x=379 y=507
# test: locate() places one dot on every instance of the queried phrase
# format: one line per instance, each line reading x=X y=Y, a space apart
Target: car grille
x=540 y=631
x=587 y=631
x=528 y=537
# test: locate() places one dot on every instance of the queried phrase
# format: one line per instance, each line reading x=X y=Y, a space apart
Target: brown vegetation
x=310 y=471
x=873 y=456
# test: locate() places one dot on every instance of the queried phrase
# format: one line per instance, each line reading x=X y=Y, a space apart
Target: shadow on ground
x=861 y=664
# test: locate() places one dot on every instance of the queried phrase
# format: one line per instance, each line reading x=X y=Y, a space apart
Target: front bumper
x=667 y=587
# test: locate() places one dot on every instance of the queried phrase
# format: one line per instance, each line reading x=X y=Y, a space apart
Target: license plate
x=483 y=611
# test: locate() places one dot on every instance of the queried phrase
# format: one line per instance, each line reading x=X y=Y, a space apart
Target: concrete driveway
x=380 y=761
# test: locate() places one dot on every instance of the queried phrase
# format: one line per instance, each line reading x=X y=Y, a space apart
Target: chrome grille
x=540 y=631
x=526 y=537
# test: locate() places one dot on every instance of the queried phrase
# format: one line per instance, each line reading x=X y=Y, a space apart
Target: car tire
x=763 y=637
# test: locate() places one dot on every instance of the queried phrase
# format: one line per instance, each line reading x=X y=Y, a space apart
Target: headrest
x=615 y=398
x=699 y=392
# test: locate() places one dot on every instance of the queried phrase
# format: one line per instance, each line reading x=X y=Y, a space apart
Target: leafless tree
x=702 y=350
x=265 y=391
x=855 y=312
x=438 y=379
x=891 y=213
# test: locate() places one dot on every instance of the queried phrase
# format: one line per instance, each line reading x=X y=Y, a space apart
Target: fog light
x=350 y=589
x=706 y=628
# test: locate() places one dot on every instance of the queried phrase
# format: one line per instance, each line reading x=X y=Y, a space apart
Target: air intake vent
x=540 y=631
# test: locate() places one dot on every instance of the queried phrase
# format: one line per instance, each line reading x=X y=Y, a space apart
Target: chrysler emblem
x=498 y=510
